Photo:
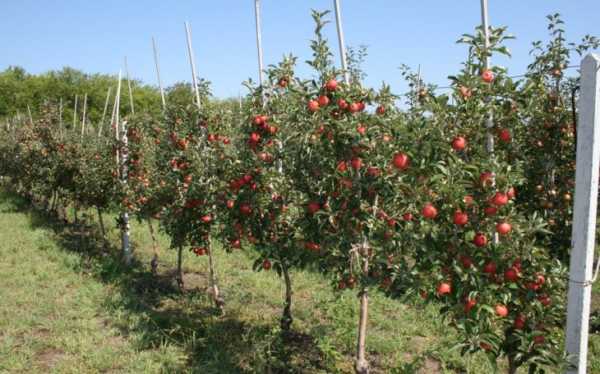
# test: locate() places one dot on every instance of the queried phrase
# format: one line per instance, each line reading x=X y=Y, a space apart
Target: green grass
x=67 y=305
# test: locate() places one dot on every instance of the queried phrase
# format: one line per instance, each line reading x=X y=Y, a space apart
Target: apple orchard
x=400 y=195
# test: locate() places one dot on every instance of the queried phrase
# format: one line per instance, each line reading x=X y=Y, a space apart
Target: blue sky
x=95 y=35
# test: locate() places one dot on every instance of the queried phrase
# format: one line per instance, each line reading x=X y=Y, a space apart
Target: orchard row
x=333 y=176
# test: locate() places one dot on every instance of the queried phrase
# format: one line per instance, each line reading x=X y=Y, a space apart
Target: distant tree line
x=20 y=90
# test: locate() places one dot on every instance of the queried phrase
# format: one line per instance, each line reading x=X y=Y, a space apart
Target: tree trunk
x=362 y=365
x=214 y=288
x=154 y=262
x=75 y=213
x=179 y=276
x=512 y=365
x=532 y=369
x=286 y=318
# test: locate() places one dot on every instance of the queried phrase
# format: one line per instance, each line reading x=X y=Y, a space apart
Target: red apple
x=504 y=135
x=490 y=210
x=487 y=75
x=511 y=274
x=313 y=207
x=460 y=218
x=313 y=105
x=331 y=85
x=401 y=161
x=500 y=199
x=443 y=289
x=489 y=268
x=323 y=101
x=459 y=143
x=480 y=240
x=356 y=163
x=503 y=228
x=501 y=310
x=520 y=321
x=469 y=304
x=429 y=211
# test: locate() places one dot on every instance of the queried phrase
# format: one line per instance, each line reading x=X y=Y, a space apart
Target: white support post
x=30 y=116
x=60 y=111
x=485 y=24
x=192 y=63
x=115 y=117
x=125 y=229
x=104 y=111
x=129 y=87
x=75 y=113
x=584 y=214
x=342 y=45
x=84 y=114
x=489 y=122
x=160 y=86
x=121 y=129
x=113 y=113
x=418 y=86
x=259 y=41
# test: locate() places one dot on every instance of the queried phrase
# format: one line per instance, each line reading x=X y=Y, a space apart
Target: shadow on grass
x=157 y=313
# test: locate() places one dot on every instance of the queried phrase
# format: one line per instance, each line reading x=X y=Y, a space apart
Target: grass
x=67 y=305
